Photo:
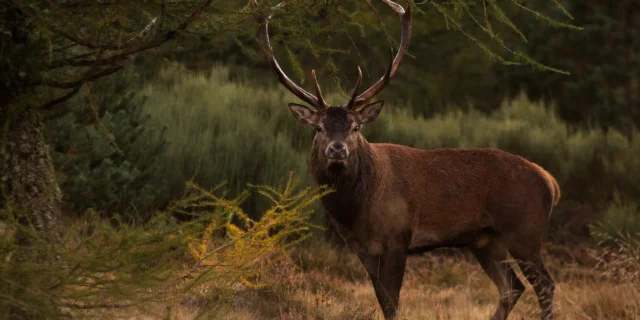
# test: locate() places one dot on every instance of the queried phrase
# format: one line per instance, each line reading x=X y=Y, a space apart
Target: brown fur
x=551 y=182
x=391 y=200
x=441 y=195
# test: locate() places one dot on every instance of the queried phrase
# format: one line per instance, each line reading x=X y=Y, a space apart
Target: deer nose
x=337 y=150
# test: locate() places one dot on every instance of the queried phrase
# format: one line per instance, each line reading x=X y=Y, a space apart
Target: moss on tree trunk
x=27 y=175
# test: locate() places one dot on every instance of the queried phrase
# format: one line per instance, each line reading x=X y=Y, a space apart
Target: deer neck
x=352 y=183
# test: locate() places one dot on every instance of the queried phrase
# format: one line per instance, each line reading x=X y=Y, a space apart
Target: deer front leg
x=386 y=271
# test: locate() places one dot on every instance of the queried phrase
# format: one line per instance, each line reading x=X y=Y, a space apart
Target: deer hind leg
x=386 y=272
x=534 y=270
x=492 y=256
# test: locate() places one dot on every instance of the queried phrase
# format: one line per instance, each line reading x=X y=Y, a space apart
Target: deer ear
x=302 y=113
x=370 y=112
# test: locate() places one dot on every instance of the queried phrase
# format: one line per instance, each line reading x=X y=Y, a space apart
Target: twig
x=127 y=52
x=90 y=45
x=61 y=99
x=97 y=305
x=89 y=76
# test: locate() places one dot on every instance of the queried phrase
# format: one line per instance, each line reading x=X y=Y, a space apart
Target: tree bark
x=27 y=177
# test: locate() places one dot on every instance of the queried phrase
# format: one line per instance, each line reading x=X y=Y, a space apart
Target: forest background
x=163 y=127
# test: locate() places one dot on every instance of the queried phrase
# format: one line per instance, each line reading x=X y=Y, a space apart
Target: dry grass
x=323 y=283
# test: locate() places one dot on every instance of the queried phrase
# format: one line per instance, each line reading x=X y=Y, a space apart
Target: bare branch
x=89 y=76
x=90 y=45
x=127 y=52
x=61 y=99
x=98 y=306
x=144 y=31
x=82 y=62
x=194 y=15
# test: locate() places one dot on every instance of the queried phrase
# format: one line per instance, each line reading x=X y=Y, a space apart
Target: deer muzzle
x=337 y=151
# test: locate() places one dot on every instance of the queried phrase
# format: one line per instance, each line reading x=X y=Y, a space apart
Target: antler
x=317 y=101
x=359 y=100
x=263 y=34
x=318 y=91
x=354 y=95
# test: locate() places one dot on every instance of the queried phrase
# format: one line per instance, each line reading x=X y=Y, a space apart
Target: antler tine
x=354 y=95
x=393 y=64
x=321 y=103
x=263 y=36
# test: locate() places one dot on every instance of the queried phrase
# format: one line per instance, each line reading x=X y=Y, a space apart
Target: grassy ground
x=319 y=282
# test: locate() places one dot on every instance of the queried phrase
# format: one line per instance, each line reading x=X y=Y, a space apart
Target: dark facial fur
x=350 y=181
x=351 y=177
x=335 y=127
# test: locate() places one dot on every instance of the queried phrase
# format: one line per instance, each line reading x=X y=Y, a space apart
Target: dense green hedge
x=220 y=129
x=245 y=134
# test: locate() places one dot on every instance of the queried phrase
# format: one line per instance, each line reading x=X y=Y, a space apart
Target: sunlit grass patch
x=320 y=290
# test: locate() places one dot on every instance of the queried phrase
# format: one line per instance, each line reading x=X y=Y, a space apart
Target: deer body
x=391 y=200
x=427 y=199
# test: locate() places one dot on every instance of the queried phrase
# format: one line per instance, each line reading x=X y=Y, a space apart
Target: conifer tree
x=102 y=151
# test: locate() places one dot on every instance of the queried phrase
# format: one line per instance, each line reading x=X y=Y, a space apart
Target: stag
x=391 y=201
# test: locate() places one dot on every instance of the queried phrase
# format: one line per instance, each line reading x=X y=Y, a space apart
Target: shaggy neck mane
x=352 y=184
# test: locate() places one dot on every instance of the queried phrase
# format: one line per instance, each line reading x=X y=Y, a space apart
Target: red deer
x=391 y=200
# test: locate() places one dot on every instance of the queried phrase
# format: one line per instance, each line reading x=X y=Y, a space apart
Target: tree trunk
x=27 y=177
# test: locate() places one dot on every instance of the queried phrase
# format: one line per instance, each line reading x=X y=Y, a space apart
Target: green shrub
x=236 y=131
x=105 y=151
x=618 y=238
x=620 y=220
x=103 y=268
x=221 y=130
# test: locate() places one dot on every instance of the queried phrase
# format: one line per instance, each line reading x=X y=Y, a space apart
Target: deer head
x=338 y=127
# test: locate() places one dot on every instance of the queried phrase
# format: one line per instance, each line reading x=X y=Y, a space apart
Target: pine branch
x=552 y=22
x=123 y=50
x=62 y=99
x=89 y=76
x=90 y=45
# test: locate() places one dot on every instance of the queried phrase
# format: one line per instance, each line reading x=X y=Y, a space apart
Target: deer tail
x=552 y=184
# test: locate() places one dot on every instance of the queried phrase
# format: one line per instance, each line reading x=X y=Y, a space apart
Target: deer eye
x=356 y=128
x=318 y=129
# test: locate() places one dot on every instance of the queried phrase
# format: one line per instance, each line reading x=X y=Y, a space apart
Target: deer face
x=337 y=128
